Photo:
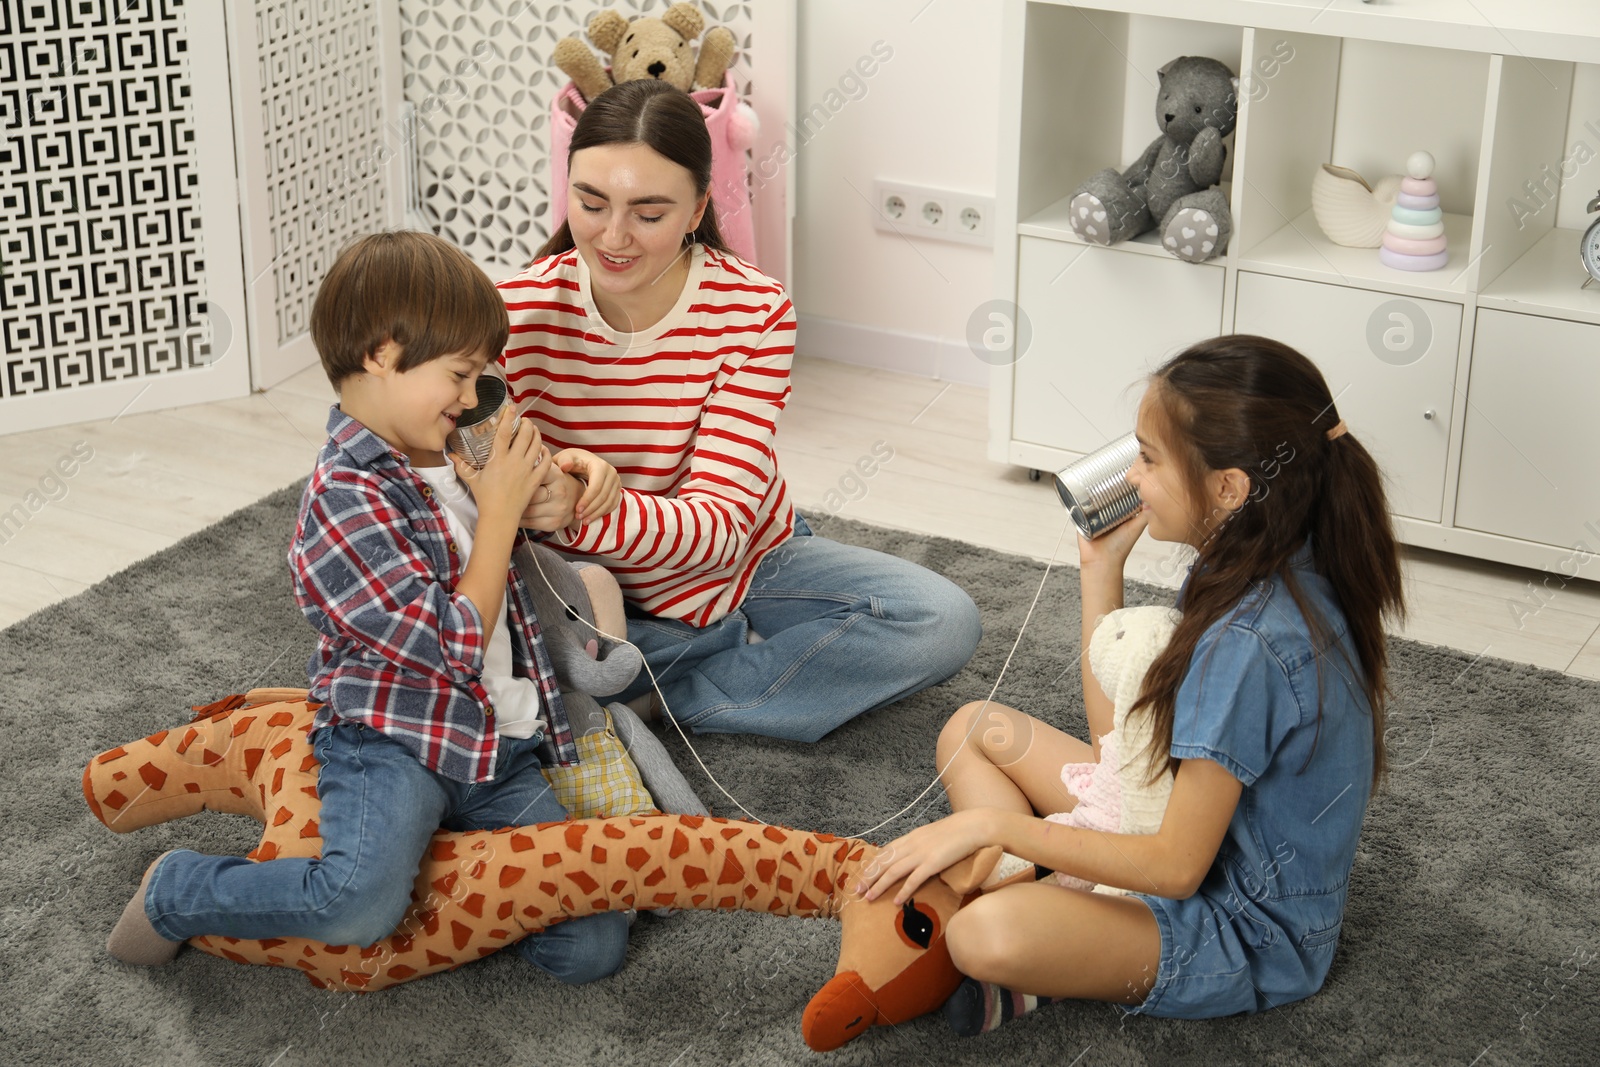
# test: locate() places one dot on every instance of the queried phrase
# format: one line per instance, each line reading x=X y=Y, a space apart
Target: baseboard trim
x=872 y=346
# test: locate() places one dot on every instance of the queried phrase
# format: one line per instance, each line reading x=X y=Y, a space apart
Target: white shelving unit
x=1484 y=418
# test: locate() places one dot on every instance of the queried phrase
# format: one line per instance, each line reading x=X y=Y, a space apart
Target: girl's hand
x=926 y=852
x=604 y=490
x=1110 y=550
x=511 y=477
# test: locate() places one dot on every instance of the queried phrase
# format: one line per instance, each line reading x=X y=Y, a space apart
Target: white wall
x=925 y=116
x=1580 y=167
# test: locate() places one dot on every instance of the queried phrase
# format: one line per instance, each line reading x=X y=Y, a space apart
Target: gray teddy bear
x=1175 y=180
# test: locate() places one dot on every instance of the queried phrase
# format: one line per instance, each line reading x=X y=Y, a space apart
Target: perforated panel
x=100 y=248
x=321 y=78
x=479 y=74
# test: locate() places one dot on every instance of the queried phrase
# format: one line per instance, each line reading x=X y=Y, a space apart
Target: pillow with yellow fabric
x=605 y=782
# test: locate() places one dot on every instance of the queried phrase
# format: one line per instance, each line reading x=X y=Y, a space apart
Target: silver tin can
x=1095 y=489
x=473 y=437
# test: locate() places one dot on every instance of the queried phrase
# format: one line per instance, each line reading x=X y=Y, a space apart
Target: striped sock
x=978 y=1007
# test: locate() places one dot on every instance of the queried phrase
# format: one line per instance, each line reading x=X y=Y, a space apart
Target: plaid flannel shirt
x=398 y=649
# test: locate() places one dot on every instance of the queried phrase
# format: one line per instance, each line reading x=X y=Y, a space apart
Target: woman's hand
x=554 y=502
x=926 y=852
x=1110 y=550
x=604 y=490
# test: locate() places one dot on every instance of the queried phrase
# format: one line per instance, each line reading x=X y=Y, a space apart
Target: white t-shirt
x=516 y=700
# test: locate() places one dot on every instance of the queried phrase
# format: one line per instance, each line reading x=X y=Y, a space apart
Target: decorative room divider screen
x=174 y=178
x=113 y=293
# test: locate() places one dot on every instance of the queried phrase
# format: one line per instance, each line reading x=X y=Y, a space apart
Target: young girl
x=639 y=337
x=1268 y=702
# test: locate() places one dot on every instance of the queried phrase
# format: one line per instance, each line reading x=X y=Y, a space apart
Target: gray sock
x=133 y=939
x=667 y=785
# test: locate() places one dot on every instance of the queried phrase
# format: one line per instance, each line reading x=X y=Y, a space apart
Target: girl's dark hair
x=661 y=117
x=1258 y=405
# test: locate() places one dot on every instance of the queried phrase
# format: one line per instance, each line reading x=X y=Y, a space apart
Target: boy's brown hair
x=415 y=289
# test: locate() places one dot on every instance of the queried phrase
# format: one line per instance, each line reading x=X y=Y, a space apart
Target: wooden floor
x=154 y=478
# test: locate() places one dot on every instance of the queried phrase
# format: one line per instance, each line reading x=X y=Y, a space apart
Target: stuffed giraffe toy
x=478 y=892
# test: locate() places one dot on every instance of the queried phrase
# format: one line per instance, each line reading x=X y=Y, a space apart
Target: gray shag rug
x=1470 y=936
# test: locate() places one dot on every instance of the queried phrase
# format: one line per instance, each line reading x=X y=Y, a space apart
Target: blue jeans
x=380 y=806
x=845 y=630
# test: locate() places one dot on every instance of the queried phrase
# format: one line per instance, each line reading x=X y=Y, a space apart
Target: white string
x=654 y=685
x=667 y=711
x=992 y=689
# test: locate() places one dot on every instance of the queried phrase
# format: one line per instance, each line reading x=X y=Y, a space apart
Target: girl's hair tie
x=1338 y=431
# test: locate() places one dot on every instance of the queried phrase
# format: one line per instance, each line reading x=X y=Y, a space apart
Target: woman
x=640 y=338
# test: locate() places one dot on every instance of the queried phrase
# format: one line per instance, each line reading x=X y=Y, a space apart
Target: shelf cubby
x=1366 y=105
x=1299 y=249
x=1106 y=63
x=1545 y=119
x=1547 y=280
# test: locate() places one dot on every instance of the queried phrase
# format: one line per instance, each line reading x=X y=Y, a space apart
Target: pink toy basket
x=731 y=132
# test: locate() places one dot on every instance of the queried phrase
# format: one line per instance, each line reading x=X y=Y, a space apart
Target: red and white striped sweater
x=686 y=411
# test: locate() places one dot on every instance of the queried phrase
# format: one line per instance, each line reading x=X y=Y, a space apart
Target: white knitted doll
x=1116 y=794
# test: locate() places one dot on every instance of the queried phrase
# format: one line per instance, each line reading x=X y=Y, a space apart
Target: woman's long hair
x=660 y=117
x=1258 y=405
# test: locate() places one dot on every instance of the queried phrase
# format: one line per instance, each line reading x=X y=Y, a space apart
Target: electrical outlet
x=923 y=211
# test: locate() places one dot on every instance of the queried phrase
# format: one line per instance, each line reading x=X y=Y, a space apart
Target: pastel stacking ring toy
x=1419 y=202
x=1417 y=231
x=1414 y=238
x=1430 y=216
x=1411 y=246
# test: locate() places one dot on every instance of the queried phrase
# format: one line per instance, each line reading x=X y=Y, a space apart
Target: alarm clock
x=1589 y=245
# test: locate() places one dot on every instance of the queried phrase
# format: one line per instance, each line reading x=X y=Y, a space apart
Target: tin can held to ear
x=473 y=437
x=1095 y=489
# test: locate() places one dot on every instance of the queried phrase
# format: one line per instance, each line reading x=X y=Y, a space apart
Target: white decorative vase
x=1349 y=211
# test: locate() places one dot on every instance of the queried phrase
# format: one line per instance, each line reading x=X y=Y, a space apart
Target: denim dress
x=1262 y=928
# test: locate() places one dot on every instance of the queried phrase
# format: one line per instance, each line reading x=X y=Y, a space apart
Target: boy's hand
x=516 y=468
x=604 y=490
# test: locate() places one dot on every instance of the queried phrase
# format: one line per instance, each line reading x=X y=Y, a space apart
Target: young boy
x=439 y=701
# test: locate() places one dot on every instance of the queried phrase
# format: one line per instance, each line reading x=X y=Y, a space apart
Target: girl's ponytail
x=1357 y=552
x=1257 y=405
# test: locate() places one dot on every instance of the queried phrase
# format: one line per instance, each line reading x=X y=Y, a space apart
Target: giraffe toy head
x=479 y=892
x=893 y=961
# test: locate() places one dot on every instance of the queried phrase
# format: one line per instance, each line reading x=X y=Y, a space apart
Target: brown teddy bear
x=647 y=48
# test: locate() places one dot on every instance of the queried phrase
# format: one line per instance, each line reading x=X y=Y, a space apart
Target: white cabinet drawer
x=1531 y=437
x=1101 y=320
x=1397 y=402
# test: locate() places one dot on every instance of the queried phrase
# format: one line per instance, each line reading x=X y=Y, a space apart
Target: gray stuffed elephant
x=572 y=602
x=1173 y=185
